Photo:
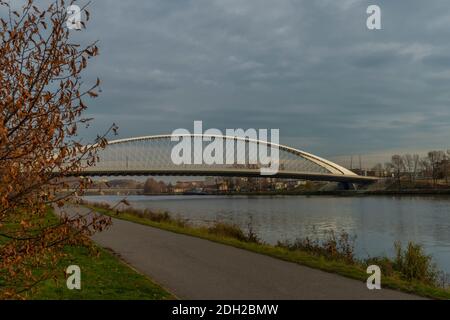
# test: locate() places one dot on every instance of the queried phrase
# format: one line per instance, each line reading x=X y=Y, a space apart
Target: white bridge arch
x=151 y=155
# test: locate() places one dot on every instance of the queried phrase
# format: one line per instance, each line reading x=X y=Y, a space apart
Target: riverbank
x=198 y=269
x=233 y=236
x=343 y=193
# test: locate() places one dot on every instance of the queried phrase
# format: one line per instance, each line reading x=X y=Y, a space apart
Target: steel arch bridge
x=152 y=155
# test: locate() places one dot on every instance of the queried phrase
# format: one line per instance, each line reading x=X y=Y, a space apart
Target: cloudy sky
x=310 y=68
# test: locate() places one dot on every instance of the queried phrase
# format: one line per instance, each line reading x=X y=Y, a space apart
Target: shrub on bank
x=414 y=264
x=336 y=247
x=227 y=230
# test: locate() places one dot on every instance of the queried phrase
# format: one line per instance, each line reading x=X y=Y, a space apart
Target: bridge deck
x=235 y=173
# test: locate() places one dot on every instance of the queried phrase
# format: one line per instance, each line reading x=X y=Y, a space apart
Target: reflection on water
x=376 y=221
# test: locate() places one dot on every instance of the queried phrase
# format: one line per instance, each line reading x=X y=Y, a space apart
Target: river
x=377 y=221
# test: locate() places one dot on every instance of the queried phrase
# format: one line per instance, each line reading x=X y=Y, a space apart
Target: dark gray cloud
x=309 y=68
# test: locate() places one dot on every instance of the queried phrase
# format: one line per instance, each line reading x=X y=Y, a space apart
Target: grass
x=104 y=276
x=339 y=263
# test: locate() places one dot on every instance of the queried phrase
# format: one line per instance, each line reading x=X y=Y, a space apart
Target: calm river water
x=377 y=221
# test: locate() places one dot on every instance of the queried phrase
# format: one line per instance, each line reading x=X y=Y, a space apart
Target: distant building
x=280 y=185
x=223 y=186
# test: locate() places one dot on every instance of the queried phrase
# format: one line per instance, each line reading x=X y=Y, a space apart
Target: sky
x=311 y=69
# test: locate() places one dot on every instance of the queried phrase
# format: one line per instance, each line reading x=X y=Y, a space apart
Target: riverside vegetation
x=411 y=270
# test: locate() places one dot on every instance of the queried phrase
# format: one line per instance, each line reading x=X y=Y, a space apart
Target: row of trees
x=434 y=166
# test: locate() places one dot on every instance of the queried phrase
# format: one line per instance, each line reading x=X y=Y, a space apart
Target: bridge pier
x=346 y=186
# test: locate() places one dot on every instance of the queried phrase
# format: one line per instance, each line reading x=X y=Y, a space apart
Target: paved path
x=193 y=268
